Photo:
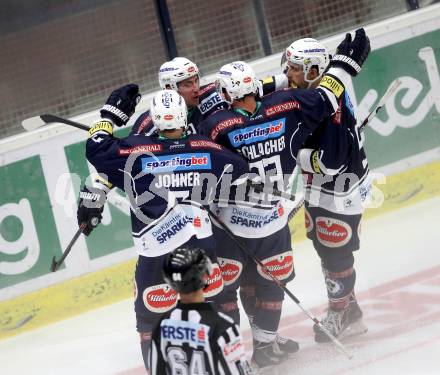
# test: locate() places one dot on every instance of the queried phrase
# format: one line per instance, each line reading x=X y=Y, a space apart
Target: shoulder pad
x=225 y=122
x=143 y=124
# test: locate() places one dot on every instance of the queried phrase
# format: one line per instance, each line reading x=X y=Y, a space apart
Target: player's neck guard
x=243 y=112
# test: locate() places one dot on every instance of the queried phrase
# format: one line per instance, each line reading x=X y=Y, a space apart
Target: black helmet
x=186 y=269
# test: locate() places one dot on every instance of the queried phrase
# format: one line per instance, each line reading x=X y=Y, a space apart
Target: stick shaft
x=391 y=90
x=49 y=119
x=279 y=283
x=58 y=263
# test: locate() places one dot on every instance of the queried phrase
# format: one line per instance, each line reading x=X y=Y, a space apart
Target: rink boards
x=43 y=172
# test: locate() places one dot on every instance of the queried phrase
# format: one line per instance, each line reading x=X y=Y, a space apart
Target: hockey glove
x=351 y=55
x=90 y=207
x=121 y=104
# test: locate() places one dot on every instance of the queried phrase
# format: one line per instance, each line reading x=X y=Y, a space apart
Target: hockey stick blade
x=39 y=121
x=32 y=123
x=57 y=263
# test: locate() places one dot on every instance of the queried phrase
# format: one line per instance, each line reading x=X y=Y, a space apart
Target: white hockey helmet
x=238 y=79
x=174 y=71
x=168 y=110
x=308 y=52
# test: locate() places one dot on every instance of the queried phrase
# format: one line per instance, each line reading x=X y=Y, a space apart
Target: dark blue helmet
x=187 y=269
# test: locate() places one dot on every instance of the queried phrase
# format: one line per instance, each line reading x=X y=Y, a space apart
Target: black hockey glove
x=90 y=207
x=121 y=104
x=351 y=55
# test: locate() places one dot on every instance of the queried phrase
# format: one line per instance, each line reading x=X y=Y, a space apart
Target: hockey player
x=160 y=174
x=193 y=338
x=296 y=73
x=334 y=153
x=182 y=75
x=269 y=134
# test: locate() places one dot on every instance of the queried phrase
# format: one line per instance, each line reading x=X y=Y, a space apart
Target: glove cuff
x=102 y=126
x=102 y=184
x=347 y=60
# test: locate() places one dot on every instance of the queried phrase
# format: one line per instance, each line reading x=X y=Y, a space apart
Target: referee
x=193 y=338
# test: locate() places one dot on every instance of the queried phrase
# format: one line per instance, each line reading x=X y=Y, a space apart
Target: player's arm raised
x=102 y=149
x=348 y=60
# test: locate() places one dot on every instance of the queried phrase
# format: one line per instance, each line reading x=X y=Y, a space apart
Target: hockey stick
x=38 y=121
x=391 y=90
x=340 y=346
x=57 y=263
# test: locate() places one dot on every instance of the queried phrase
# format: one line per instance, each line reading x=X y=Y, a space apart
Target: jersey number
x=177 y=360
x=269 y=172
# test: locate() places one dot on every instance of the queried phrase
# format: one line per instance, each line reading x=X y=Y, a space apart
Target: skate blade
x=354 y=329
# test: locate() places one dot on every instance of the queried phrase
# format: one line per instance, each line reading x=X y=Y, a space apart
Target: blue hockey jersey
x=334 y=164
x=210 y=101
x=333 y=160
x=270 y=139
x=168 y=182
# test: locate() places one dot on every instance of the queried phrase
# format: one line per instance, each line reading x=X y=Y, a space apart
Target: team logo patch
x=256 y=133
x=209 y=102
x=280 y=266
x=203 y=144
x=181 y=332
x=332 y=232
x=332 y=84
x=231 y=270
x=203 y=90
x=101 y=126
x=280 y=211
x=145 y=122
x=140 y=149
x=197 y=222
x=176 y=163
x=201 y=335
x=284 y=107
x=215 y=282
x=172 y=226
x=234 y=351
x=159 y=298
x=225 y=125
x=308 y=221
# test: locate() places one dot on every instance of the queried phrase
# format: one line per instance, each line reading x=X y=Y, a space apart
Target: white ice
x=398 y=287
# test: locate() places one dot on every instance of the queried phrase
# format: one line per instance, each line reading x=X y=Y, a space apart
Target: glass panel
x=289 y=20
x=213 y=33
x=65 y=57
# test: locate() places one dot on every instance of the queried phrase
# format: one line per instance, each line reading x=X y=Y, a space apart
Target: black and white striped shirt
x=196 y=339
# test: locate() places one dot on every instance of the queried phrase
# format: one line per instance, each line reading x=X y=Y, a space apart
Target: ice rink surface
x=398 y=288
